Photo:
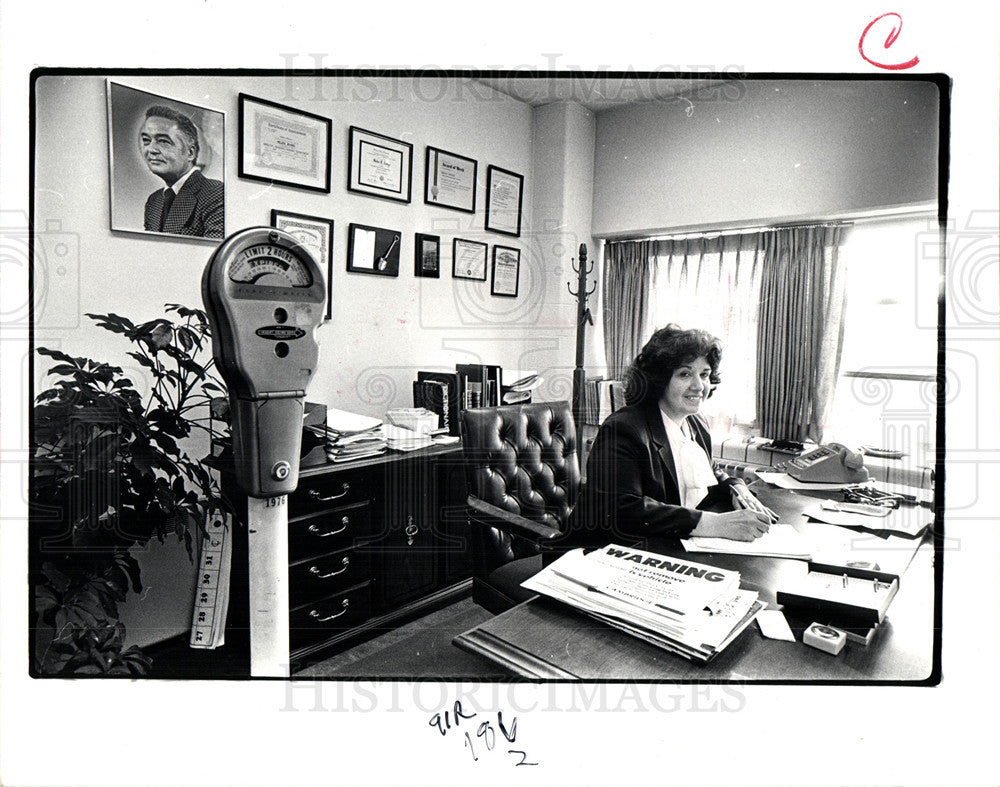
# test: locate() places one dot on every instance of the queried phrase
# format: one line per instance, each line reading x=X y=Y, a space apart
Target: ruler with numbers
x=211 y=596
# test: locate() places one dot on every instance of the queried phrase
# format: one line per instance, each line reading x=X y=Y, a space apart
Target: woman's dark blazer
x=631 y=488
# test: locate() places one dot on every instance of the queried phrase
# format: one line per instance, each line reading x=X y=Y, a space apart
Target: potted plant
x=110 y=471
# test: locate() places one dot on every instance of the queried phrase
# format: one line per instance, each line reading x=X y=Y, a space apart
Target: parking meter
x=265 y=297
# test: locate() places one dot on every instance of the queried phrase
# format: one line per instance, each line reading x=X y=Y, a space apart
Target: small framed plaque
x=372 y=250
x=427 y=256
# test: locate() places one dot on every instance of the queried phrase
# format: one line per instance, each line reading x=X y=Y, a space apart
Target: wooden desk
x=542 y=638
x=371 y=543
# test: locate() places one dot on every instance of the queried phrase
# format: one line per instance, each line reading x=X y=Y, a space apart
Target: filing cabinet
x=371 y=544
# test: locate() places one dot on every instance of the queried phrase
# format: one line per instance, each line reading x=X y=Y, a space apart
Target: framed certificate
x=468 y=259
x=427 y=256
x=282 y=145
x=379 y=166
x=450 y=180
x=503 y=201
x=316 y=235
x=506 y=269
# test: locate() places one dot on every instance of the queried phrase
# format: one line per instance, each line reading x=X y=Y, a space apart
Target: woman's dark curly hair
x=667 y=350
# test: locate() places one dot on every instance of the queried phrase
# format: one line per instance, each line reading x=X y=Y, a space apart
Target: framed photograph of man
x=167 y=165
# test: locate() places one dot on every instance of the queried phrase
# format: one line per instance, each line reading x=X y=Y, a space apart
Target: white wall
x=383 y=329
x=563 y=210
x=750 y=152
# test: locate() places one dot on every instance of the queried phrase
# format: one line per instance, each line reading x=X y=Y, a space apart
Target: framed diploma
x=506 y=269
x=316 y=235
x=468 y=259
x=284 y=146
x=379 y=166
x=427 y=256
x=450 y=180
x=372 y=250
x=503 y=201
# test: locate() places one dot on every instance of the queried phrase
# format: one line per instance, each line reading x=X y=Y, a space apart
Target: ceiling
x=597 y=92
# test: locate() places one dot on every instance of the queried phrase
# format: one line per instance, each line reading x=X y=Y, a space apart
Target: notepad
x=778 y=541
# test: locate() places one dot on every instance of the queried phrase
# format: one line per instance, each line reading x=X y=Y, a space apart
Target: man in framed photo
x=190 y=204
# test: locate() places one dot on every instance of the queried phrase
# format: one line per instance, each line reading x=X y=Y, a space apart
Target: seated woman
x=650 y=472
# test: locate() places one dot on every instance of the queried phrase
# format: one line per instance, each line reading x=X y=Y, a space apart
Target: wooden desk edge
x=505 y=654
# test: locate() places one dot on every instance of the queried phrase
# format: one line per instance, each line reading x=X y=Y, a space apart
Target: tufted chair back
x=523 y=459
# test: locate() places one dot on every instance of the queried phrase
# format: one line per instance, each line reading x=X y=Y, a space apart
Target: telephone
x=832 y=464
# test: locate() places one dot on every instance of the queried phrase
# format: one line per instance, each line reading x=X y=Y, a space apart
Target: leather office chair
x=523 y=476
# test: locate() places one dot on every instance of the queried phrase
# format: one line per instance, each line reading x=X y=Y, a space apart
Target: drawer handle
x=315 y=614
x=315 y=569
x=343 y=526
x=315 y=494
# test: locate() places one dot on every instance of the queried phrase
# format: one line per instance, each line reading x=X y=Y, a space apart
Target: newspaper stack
x=350 y=436
x=687 y=608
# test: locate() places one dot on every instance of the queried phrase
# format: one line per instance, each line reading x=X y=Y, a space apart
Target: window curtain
x=713 y=283
x=800 y=332
x=627 y=266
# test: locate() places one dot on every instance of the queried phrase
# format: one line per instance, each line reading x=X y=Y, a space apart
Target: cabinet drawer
x=318 y=577
x=324 y=532
x=325 y=492
x=312 y=622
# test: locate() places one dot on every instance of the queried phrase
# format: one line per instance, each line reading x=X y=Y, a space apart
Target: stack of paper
x=350 y=436
x=690 y=609
x=401 y=439
x=778 y=541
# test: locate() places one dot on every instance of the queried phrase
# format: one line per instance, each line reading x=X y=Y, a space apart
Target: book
x=433 y=395
x=450 y=394
x=472 y=385
x=492 y=392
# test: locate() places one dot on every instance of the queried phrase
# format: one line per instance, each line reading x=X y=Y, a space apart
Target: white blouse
x=694 y=469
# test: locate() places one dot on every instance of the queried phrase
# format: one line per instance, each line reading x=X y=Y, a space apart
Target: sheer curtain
x=627 y=266
x=714 y=284
x=801 y=331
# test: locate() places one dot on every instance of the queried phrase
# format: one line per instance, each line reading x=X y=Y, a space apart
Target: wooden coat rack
x=583 y=315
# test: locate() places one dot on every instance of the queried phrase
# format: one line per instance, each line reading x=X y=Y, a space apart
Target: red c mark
x=889 y=41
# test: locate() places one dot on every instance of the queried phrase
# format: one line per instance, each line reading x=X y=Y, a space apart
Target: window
x=885 y=394
x=714 y=284
x=886 y=389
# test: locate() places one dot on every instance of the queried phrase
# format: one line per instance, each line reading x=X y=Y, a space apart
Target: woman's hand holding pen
x=745 y=499
x=740 y=525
